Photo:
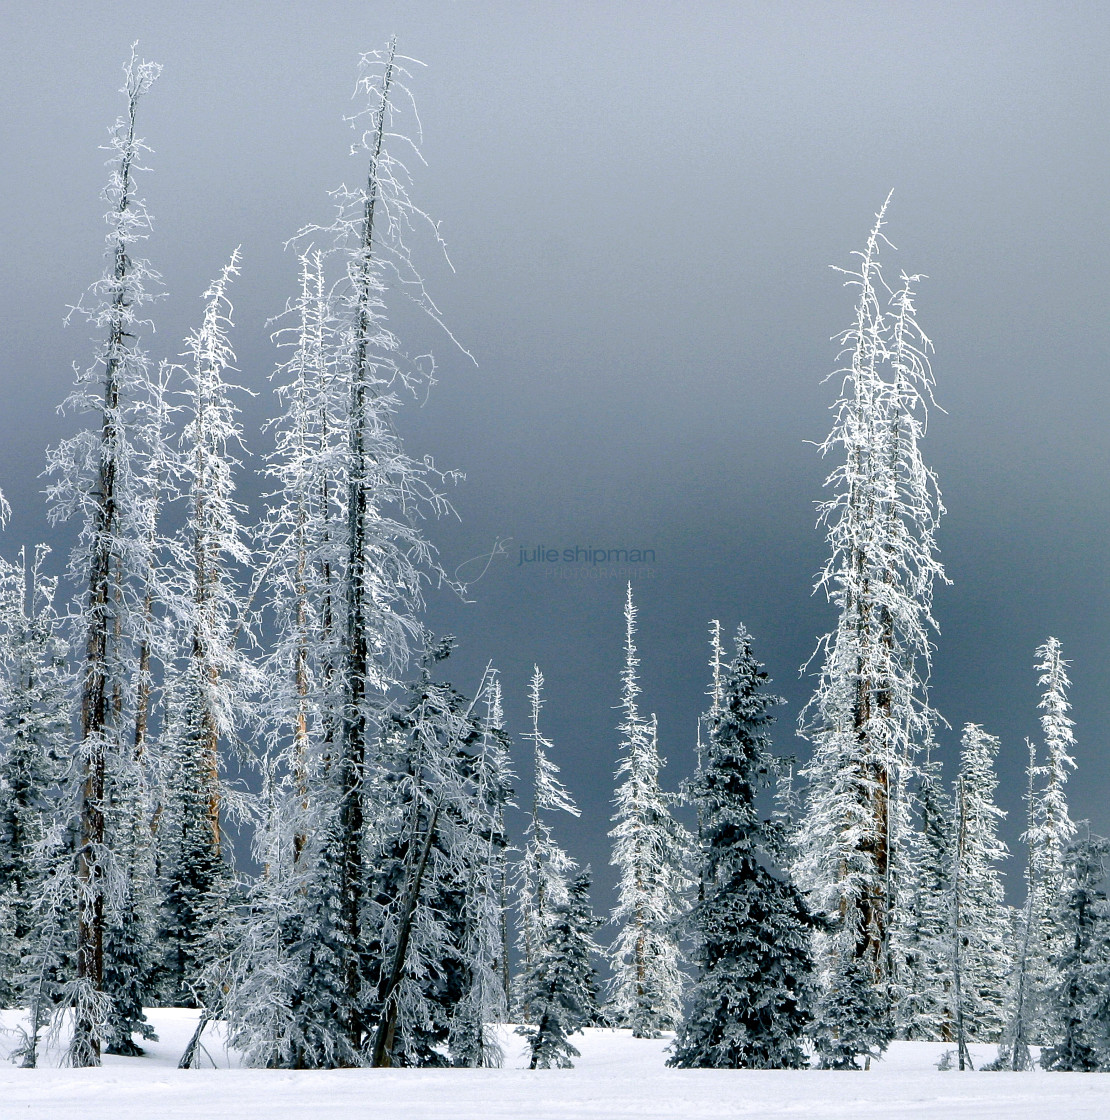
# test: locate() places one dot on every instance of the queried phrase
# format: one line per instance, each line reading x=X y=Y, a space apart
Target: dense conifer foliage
x=753 y=999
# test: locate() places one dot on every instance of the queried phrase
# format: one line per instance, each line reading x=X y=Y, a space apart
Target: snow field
x=617 y=1078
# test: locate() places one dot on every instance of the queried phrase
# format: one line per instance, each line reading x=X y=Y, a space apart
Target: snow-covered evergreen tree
x=543 y=867
x=870 y=712
x=560 y=986
x=979 y=916
x=1078 y=1010
x=925 y=1009
x=753 y=999
x=650 y=848
x=1051 y=829
x=1026 y=979
x=382 y=556
x=287 y=981
x=34 y=734
x=1054 y=823
x=483 y=941
x=95 y=477
x=433 y=901
x=210 y=694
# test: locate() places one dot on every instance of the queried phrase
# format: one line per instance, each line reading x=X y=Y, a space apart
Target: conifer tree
x=752 y=1001
x=543 y=868
x=1079 y=1007
x=94 y=478
x=1024 y=996
x=435 y=957
x=923 y=1010
x=870 y=713
x=483 y=941
x=381 y=555
x=209 y=697
x=34 y=732
x=560 y=987
x=980 y=920
x=1051 y=829
x=650 y=849
x=287 y=981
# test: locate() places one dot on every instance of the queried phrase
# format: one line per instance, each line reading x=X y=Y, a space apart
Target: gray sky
x=641 y=202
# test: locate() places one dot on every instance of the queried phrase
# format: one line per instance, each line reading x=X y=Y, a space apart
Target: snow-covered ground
x=617 y=1078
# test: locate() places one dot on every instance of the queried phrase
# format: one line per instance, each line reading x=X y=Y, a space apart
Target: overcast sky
x=641 y=202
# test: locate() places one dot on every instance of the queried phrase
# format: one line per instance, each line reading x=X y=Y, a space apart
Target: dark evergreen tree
x=195 y=879
x=1079 y=1012
x=561 y=986
x=752 y=1001
x=853 y=1017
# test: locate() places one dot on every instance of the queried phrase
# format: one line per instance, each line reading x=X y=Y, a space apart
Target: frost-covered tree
x=1024 y=995
x=210 y=694
x=94 y=478
x=286 y=981
x=543 y=867
x=1078 y=1012
x=34 y=734
x=433 y=900
x=483 y=944
x=980 y=919
x=924 y=1011
x=1051 y=829
x=753 y=999
x=650 y=849
x=1054 y=824
x=381 y=552
x=870 y=712
x=560 y=986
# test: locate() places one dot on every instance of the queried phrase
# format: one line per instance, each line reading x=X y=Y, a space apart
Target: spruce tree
x=1051 y=830
x=543 y=867
x=287 y=980
x=436 y=953
x=650 y=849
x=34 y=732
x=752 y=1002
x=483 y=940
x=560 y=987
x=210 y=694
x=96 y=477
x=925 y=1011
x=870 y=713
x=378 y=555
x=1078 y=1011
x=980 y=919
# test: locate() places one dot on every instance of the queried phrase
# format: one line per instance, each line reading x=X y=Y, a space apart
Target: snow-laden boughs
x=1051 y=829
x=1078 y=1008
x=381 y=554
x=483 y=943
x=287 y=978
x=210 y=693
x=96 y=477
x=870 y=712
x=543 y=867
x=34 y=739
x=980 y=929
x=651 y=850
x=560 y=986
x=434 y=897
x=924 y=1009
x=752 y=1001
